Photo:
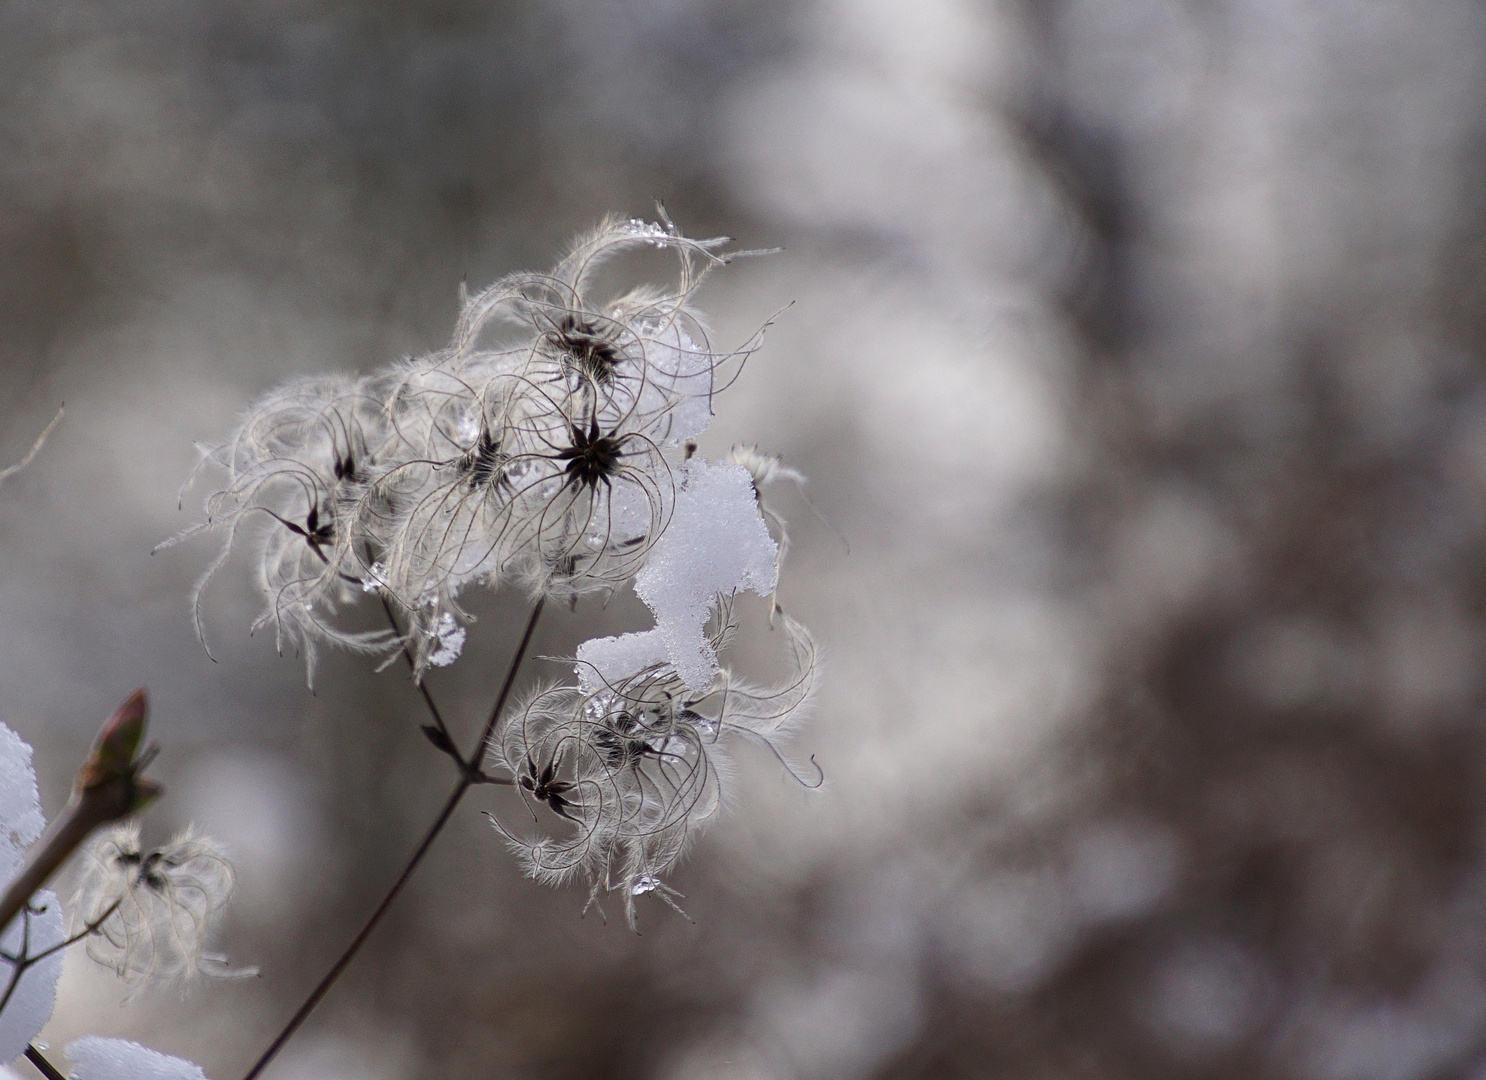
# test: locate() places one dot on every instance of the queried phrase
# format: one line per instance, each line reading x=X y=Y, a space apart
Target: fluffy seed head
x=150 y=912
x=538 y=448
x=628 y=774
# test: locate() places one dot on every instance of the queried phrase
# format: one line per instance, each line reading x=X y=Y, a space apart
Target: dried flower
x=538 y=448
x=636 y=767
x=151 y=912
x=296 y=471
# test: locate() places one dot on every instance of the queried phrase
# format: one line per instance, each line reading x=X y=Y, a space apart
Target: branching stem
x=438 y=731
x=469 y=776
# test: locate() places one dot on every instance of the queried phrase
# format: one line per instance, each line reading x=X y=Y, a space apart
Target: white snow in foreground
x=716 y=542
x=20 y=805
x=611 y=659
x=35 y=996
x=119 y=1059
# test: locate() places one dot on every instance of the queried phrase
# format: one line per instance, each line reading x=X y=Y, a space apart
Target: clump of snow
x=20 y=805
x=716 y=542
x=612 y=659
x=35 y=996
x=119 y=1059
x=451 y=637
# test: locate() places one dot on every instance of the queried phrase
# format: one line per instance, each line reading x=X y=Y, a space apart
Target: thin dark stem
x=352 y=949
x=467 y=779
x=22 y=964
x=433 y=710
x=45 y=1067
x=86 y=931
x=438 y=731
x=505 y=690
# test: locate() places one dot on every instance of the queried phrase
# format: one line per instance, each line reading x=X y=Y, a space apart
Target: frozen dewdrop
x=716 y=542
x=613 y=659
x=598 y=706
x=376 y=578
x=119 y=1059
x=35 y=996
x=644 y=884
x=655 y=235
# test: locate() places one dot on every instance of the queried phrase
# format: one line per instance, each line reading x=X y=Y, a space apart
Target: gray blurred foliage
x=1135 y=348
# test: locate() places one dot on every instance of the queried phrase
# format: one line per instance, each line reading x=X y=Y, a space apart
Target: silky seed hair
x=296 y=472
x=152 y=911
x=552 y=445
x=537 y=449
x=625 y=776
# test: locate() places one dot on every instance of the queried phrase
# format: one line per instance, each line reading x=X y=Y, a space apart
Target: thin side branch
x=7 y=473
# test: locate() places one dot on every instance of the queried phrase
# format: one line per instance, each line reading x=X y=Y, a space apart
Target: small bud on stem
x=108 y=788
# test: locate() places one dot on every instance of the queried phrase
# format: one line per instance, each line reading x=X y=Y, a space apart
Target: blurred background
x=1135 y=349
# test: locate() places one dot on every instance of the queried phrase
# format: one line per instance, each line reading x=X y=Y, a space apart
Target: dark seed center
x=590 y=351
